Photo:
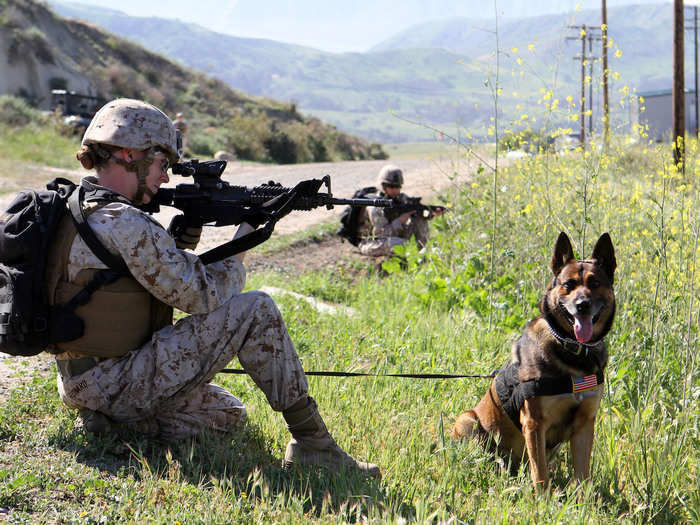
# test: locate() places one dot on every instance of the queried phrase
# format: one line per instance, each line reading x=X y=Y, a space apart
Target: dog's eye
x=569 y=285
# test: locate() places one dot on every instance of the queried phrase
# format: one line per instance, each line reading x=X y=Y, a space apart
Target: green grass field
x=455 y=309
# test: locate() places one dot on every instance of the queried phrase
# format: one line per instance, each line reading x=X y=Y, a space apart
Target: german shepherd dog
x=550 y=390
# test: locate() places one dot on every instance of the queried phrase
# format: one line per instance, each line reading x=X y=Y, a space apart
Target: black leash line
x=363 y=374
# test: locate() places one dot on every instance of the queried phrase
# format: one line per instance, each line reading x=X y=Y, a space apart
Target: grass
x=40 y=146
x=433 y=318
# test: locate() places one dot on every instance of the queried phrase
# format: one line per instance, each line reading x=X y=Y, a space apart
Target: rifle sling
x=252 y=239
x=241 y=244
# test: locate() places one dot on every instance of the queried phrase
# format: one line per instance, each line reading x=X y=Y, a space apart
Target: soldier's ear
x=563 y=253
x=604 y=255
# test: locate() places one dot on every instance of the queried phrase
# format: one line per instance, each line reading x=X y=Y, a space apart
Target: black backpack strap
x=115 y=263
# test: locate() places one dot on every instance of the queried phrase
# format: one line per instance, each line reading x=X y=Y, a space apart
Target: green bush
x=15 y=112
x=207 y=141
x=247 y=135
x=282 y=148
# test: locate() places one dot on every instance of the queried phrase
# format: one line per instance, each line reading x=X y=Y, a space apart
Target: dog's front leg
x=534 y=432
x=582 y=438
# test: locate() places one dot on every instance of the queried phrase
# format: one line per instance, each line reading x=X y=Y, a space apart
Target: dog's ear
x=563 y=253
x=604 y=255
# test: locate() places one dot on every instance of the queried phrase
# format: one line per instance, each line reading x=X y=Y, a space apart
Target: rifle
x=211 y=200
x=414 y=203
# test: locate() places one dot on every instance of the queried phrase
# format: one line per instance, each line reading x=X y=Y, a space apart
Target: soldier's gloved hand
x=186 y=231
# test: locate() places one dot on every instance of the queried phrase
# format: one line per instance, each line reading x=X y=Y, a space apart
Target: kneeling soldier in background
x=389 y=227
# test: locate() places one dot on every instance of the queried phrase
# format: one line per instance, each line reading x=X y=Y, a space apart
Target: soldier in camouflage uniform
x=133 y=368
x=387 y=228
x=181 y=125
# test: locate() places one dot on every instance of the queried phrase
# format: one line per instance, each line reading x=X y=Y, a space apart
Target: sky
x=350 y=25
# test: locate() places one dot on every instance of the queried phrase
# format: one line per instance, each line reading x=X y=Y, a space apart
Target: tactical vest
x=512 y=392
x=120 y=316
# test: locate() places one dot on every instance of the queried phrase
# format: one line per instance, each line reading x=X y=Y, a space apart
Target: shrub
x=281 y=148
x=247 y=135
x=377 y=152
x=16 y=112
x=204 y=142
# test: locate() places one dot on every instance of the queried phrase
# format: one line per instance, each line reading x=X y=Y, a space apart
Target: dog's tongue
x=583 y=328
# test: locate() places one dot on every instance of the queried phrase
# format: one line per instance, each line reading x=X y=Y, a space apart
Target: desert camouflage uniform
x=387 y=233
x=164 y=386
x=181 y=125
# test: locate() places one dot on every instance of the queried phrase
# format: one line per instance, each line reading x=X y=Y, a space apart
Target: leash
x=363 y=374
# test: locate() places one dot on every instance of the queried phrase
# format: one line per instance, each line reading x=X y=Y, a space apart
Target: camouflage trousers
x=417 y=227
x=163 y=388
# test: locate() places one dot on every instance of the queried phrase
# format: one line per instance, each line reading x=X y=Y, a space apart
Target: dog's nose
x=583 y=305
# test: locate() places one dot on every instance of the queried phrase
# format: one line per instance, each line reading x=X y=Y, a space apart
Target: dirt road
x=423 y=177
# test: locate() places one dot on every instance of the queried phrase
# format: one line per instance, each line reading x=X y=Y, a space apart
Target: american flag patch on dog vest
x=584 y=383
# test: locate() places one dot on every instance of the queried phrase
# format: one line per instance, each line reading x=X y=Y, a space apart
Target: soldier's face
x=392 y=190
x=158 y=172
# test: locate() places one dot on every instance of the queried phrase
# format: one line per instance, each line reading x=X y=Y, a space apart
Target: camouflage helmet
x=133 y=124
x=390 y=175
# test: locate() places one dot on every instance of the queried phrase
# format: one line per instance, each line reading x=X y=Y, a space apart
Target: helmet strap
x=140 y=167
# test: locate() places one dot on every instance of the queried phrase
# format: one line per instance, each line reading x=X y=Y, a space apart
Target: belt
x=75 y=367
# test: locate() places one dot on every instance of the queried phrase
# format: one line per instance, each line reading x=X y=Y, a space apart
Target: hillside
x=644 y=33
x=434 y=72
x=44 y=51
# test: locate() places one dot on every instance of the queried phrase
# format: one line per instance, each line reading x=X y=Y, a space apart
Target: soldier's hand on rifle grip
x=186 y=231
x=405 y=217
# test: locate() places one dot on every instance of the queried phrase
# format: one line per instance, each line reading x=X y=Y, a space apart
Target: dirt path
x=423 y=177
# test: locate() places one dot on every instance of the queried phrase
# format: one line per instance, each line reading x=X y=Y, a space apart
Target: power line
x=586 y=34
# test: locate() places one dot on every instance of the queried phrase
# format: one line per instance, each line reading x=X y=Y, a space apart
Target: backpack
x=350 y=218
x=28 y=323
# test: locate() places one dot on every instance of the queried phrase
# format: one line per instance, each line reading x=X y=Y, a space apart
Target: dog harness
x=512 y=392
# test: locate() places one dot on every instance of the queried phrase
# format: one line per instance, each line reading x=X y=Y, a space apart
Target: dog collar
x=572 y=345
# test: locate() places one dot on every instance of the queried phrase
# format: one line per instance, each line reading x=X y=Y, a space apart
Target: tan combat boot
x=95 y=422
x=101 y=425
x=311 y=444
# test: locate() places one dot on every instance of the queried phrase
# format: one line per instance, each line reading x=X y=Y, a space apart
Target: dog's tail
x=467 y=425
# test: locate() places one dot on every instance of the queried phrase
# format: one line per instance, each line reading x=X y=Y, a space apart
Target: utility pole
x=590 y=84
x=694 y=27
x=606 y=102
x=585 y=33
x=678 y=85
x=583 y=87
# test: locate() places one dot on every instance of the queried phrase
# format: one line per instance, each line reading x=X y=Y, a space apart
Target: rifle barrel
x=380 y=203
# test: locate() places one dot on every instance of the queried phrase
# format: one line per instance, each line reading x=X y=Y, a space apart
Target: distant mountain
x=643 y=33
x=338 y=26
x=40 y=51
x=436 y=72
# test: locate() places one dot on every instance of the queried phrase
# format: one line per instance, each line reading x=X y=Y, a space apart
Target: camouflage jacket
x=175 y=277
x=385 y=221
